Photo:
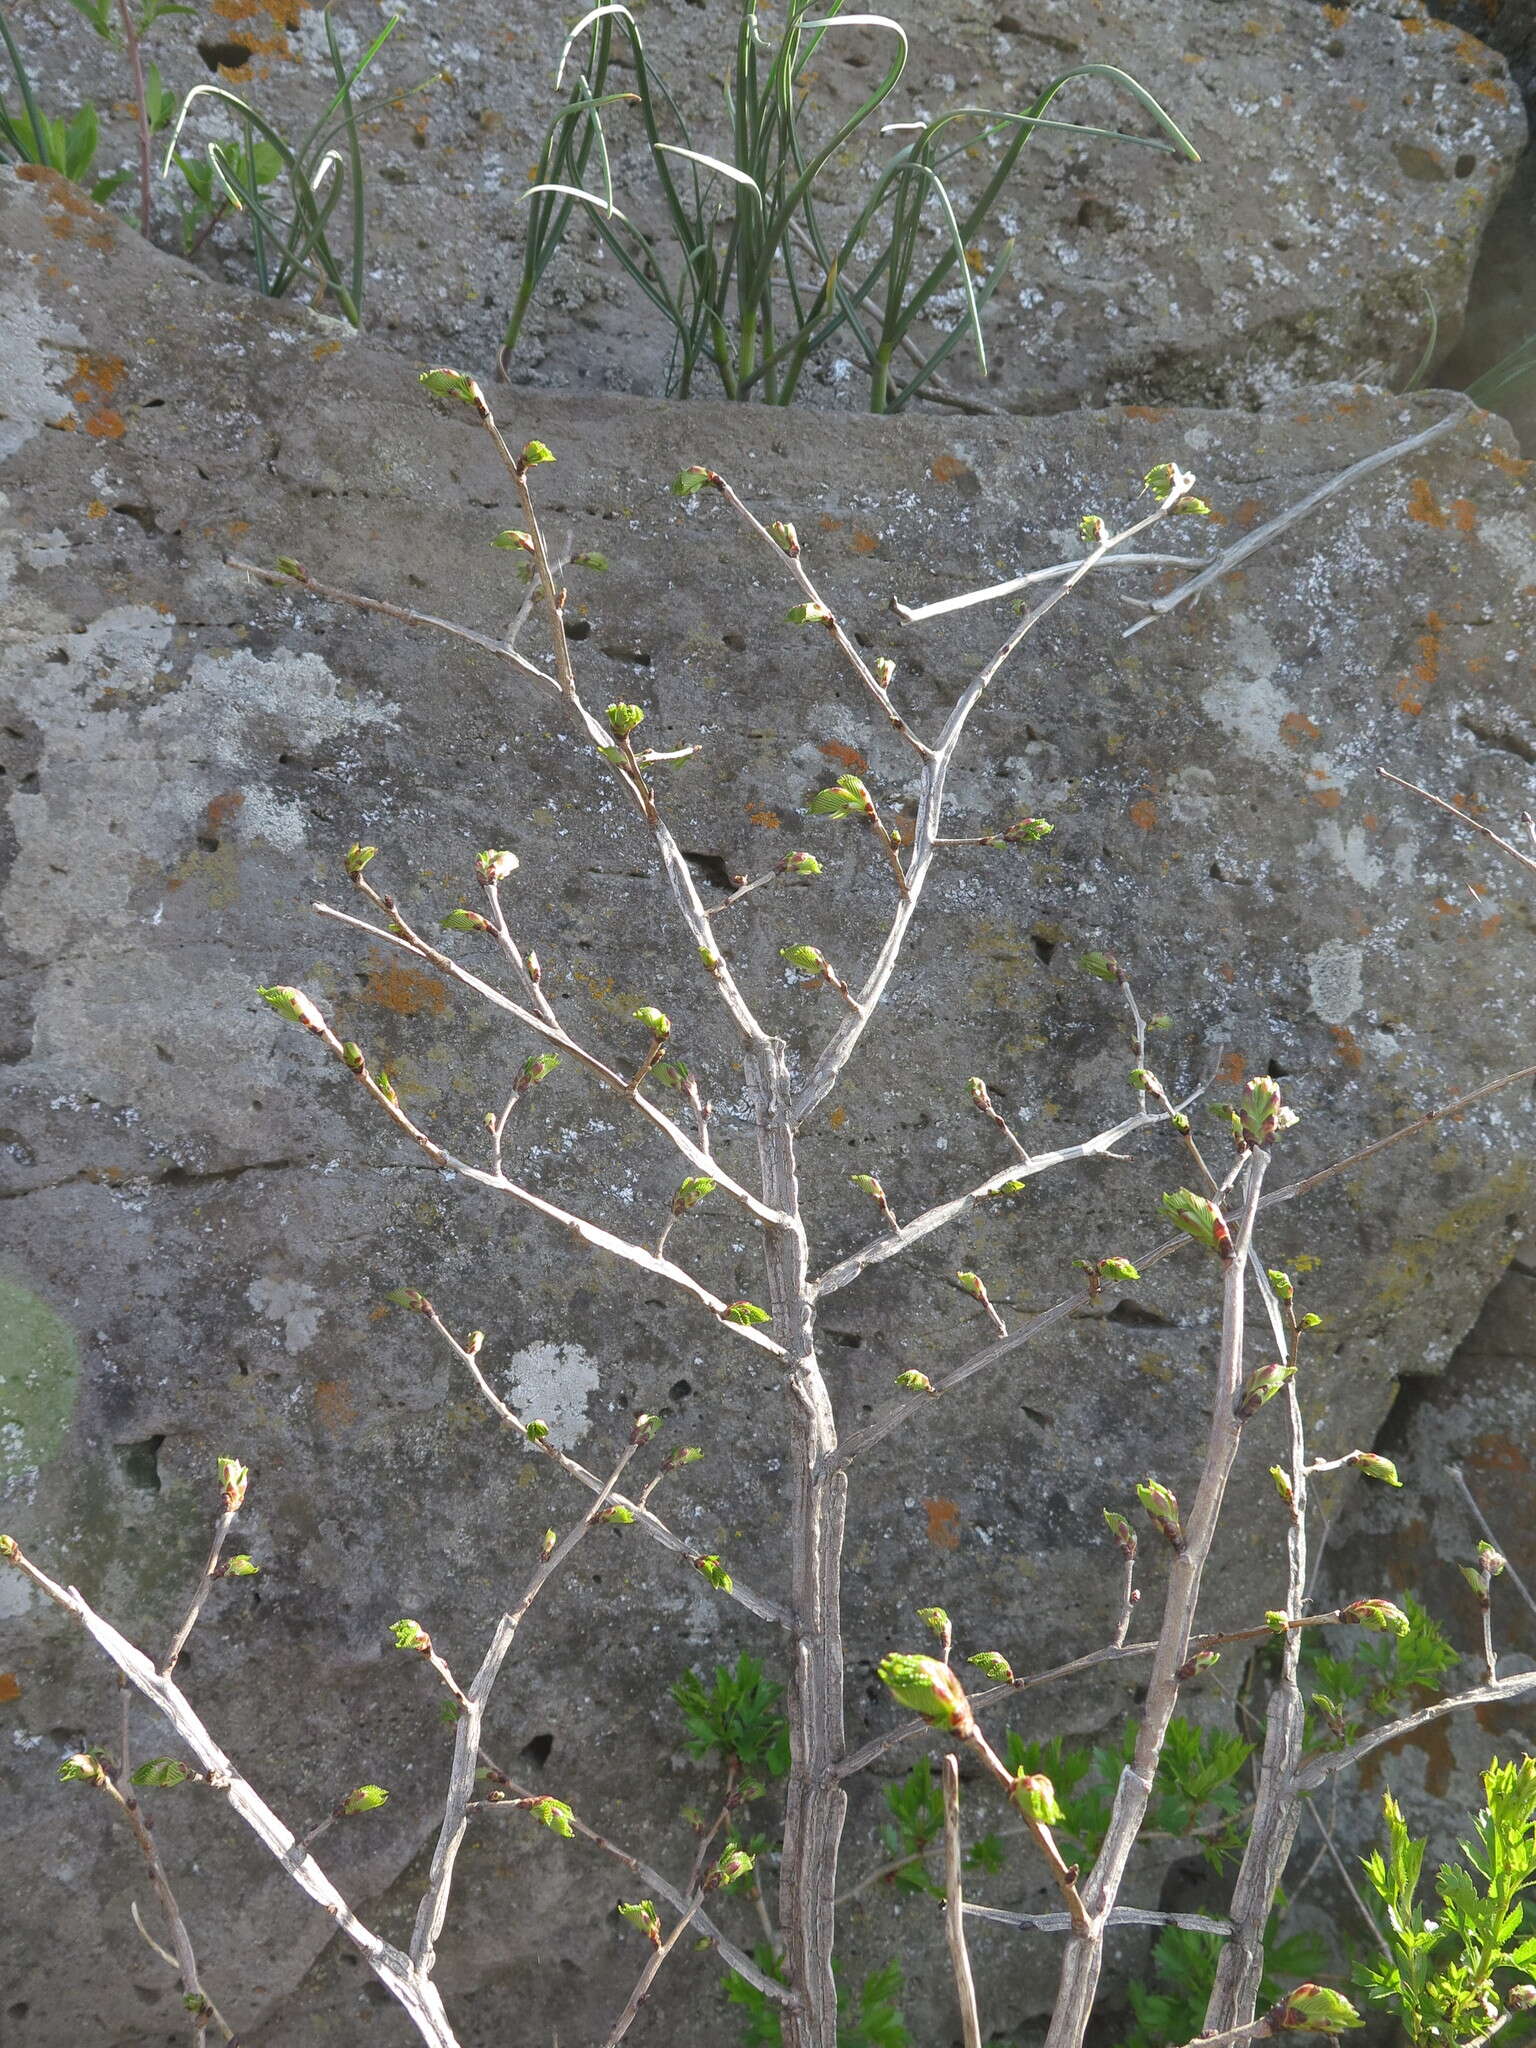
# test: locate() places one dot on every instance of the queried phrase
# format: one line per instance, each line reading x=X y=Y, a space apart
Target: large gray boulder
x=1352 y=157
x=206 y=1222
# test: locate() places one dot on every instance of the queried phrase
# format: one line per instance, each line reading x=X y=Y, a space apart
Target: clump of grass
x=744 y=269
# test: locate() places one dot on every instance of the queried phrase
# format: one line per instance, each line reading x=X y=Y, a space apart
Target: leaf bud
x=937 y=1620
x=361 y=1799
x=1162 y=1510
x=294 y=1007
x=1283 y=1486
x=1282 y=1284
x=747 y=1313
x=83 y=1768
x=1260 y=1386
x=799 y=864
x=450 y=384
x=915 y=1383
x=623 y=718
x=233 y=1480
x=884 y=670
x=536 y=1432
x=1199 y=1219
x=164 y=1771
x=1492 y=1559
x=352 y=1057
x=495 y=866
x=358 y=858
x=808 y=615
x=465 y=921
x=535 y=452
x=1311 y=2008
x=712 y=1569
x=1102 y=966
x=657 y=1022
x=410 y=1635
x=1374 y=1466
x=1093 y=530
x=1122 y=1532
x=643 y=1429
x=991 y=1665
x=514 y=537
x=733 y=1865
x=691 y=1192
x=642 y=1914
x=1035 y=1797
x=1379 y=1615
x=1277 y=1623
x=536 y=1068
x=547 y=1546
x=1118 y=1269
x=241 y=1566
x=690 y=480
x=553 y=1814
x=931 y=1689
x=785 y=536
x=804 y=959
x=1201 y=1661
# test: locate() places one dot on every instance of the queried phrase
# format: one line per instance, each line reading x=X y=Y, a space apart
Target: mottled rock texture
x=1352 y=156
x=205 y=1221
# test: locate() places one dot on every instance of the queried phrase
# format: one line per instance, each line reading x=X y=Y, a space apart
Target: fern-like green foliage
x=1171 y=2006
x=872 y=2020
x=738 y=1715
x=1194 y=1793
x=916 y=1806
x=1376 y=1677
x=1446 y=1976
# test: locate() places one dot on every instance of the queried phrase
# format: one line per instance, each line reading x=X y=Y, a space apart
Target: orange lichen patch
x=1227 y=971
x=238 y=528
x=1487 y=926
x=1510 y=465
x=1464 y=515
x=838 y=1118
x=220 y=810
x=1143 y=814
x=1154 y=413
x=1296 y=727
x=1435 y=1737
x=322 y=349
x=264 y=26
x=1327 y=799
x=96 y=381
x=1248 y=513
x=863 y=543
x=846 y=757
x=333 y=1405
x=1359 y=102
x=943 y=1523
x=1422 y=505
x=757 y=814
x=95 y=509
x=1491 y=89
x=1335 y=16
x=827 y=524
x=1232 y=1068
x=1407 y=699
x=948 y=469
x=1346 y=1046
x=1410 y=27
x=10 y=1686
x=1497 y=1453
x=1443 y=907
x=403 y=990
x=69 y=211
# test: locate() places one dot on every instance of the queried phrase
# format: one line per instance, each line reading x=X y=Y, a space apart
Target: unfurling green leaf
x=164 y=1771
x=929 y=1688
x=362 y=1799
x=747 y=1313
x=495 y=866
x=808 y=615
x=466 y=921
x=535 y=452
x=690 y=480
x=1035 y=1797
x=642 y=1914
x=915 y=1383
x=1380 y=1615
x=623 y=718
x=450 y=384
x=553 y=1814
x=410 y=1635
x=657 y=1022
x=991 y=1665
x=358 y=858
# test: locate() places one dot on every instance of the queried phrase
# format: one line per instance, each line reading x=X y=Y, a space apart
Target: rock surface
x=1352 y=154
x=206 y=1223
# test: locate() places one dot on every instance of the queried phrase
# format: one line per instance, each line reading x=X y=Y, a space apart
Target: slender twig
x=140 y=112
x=730 y=1955
x=200 y=1594
x=1120 y=1916
x=1462 y=818
x=1261 y=536
x=954 y=1907
x=185 y=1958
x=654 y=1961
x=1318 y=1769
x=915 y=614
x=417 y=1996
x=899 y=1411
x=433 y=1908
x=755 y=1603
x=1330 y=1849
x=1460 y=1479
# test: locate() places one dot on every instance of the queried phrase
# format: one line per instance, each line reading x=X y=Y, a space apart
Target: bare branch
x=1120 y=1916
x=1261 y=536
x=1318 y=1769
x=1462 y=818
x=416 y=1995
x=954 y=1908
x=915 y=614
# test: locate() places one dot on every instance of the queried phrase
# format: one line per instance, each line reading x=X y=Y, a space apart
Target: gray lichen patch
x=39 y=1381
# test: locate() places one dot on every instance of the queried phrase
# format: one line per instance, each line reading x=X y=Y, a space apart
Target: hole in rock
x=141 y=1463
x=1132 y=1316
x=679 y=1390
x=578 y=629
x=216 y=55
x=710 y=867
x=537 y=1751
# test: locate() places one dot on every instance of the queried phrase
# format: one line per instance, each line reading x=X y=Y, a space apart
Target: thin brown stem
x=1462 y=818
x=657 y=1957
x=186 y=1958
x=201 y=1592
x=954 y=1908
x=140 y=111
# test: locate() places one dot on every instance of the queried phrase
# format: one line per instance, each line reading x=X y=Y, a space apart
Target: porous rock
x=1351 y=158
x=207 y=1221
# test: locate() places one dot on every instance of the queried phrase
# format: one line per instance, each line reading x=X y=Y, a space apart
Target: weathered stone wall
x=206 y=1223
